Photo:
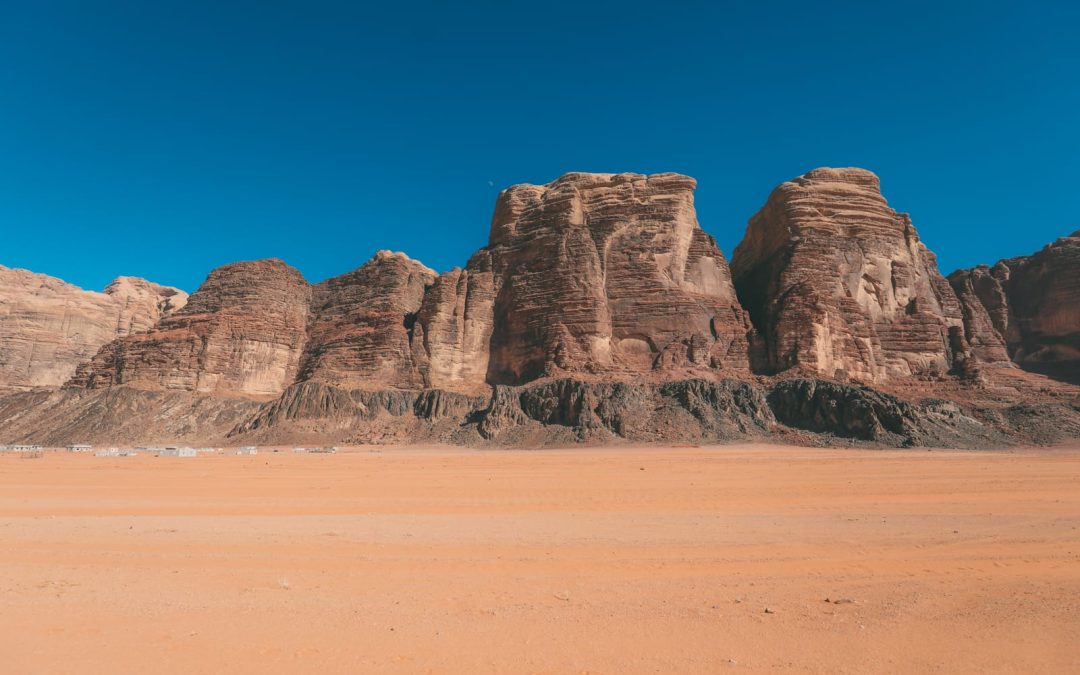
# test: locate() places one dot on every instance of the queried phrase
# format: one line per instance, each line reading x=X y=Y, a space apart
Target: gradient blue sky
x=162 y=139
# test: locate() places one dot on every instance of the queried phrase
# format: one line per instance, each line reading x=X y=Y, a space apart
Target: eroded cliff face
x=242 y=333
x=453 y=327
x=980 y=331
x=840 y=284
x=48 y=327
x=599 y=311
x=1033 y=302
x=359 y=334
x=602 y=274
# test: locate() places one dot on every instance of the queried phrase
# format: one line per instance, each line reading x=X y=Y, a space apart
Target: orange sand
x=572 y=561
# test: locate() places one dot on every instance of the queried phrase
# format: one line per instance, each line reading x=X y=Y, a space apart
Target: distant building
x=79 y=447
x=23 y=448
x=247 y=450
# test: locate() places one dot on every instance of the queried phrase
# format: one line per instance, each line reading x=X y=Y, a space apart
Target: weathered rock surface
x=48 y=327
x=540 y=413
x=242 y=333
x=552 y=412
x=591 y=274
x=360 y=331
x=599 y=312
x=1033 y=302
x=979 y=330
x=119 y=416
x=840 y=284
x=453 y=327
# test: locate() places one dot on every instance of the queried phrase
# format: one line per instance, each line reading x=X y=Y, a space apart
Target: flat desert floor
x=650 y=560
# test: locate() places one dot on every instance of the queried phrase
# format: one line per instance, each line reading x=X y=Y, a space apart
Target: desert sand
x=650 y=560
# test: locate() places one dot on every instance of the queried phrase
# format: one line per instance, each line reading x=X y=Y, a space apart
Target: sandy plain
x=642 y=560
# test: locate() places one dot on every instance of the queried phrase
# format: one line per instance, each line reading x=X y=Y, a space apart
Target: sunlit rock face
x=48 y=327
x=359 y=335
x=241 y=333
x=592 y=273
x=840 y=284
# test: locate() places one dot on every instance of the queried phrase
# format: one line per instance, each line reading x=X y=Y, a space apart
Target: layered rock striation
x=599 y=311
x=241 y=333
x=592 y=274
x=360 y=332
x=1033 y=303
x=840 y=285
x=48 y=327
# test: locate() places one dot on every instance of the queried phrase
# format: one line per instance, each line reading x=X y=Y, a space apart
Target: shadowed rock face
x=986 y=342
x=1033 y=302
x=241 y=333
x=840 y=285
x=48 y=327
x=593 y=273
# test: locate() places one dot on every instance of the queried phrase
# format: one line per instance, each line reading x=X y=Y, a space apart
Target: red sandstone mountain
x=241 y=333
x=840 y=284
x=48 y=327
x=1033 y=302
x=593 y=274
x=599 y=310
x=359 y=330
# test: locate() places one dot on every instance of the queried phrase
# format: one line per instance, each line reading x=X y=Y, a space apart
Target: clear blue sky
x=161 y=139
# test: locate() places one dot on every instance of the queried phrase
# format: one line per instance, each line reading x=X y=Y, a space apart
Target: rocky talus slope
x=48 y=327
x=599 y=312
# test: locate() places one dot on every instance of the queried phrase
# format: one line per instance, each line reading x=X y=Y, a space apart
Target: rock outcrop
x=360 y=332
x=979 y=330
x=48 y=327
x=840 y=285
x=242 y=333
x=598 y=312
x=1033 y=302
x=602 y=274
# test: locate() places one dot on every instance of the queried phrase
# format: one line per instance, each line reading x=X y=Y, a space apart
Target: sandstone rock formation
x=598 y=312
x=361 y=325
x=48 y=327
x=980 y=332
x=453 y=327
x=1033 y=302
x=840 y=285
x=604 y=274
x=241 y=333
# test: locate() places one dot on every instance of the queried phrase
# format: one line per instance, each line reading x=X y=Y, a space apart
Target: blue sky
x=162 y=139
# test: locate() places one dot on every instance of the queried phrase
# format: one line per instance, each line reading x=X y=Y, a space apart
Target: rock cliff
x=48 y=327
x=1033 y=302
x=241 y=333
x=602 y=274
x=598 y=312
x=840 y=285
x=359 y=334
